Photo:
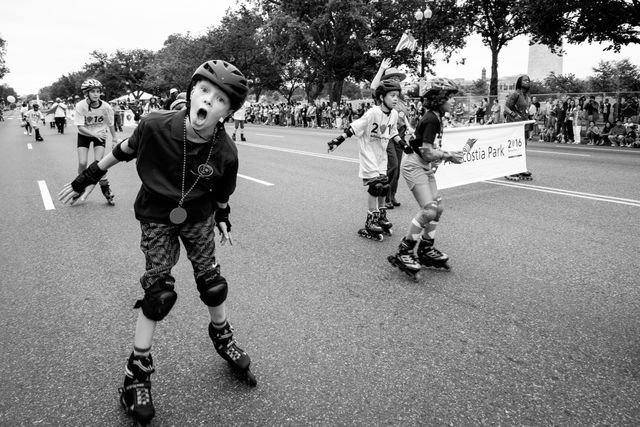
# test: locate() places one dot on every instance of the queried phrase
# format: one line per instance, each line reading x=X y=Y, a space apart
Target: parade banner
x=490 y=151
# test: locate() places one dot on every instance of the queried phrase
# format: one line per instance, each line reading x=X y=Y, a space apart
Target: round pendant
x=178 y=215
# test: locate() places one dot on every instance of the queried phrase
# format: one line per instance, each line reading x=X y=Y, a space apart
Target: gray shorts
x=415 y=171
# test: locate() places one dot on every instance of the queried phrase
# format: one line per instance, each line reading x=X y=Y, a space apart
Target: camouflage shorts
x=160 y=244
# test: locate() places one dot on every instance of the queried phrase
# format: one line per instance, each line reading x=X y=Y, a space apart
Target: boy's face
x=391 y=98
x=208 y=105
x=94 y=95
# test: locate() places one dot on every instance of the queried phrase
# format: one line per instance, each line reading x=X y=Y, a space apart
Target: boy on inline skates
x=188 y=166
x=418 y=169
x=94 y=119
x=374 y=129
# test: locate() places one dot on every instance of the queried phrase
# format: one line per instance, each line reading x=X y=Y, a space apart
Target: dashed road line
x=304 y=153
x=259 y=181
x=46 y=196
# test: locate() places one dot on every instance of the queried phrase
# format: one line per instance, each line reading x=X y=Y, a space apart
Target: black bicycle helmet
x=387 y=86
x=227 y=77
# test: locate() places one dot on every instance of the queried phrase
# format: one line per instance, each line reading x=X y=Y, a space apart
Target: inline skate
x=135 y=395
x=430 y=257
x=226 y=346
x=371 y=228
x=106 y=191
x=405 y=260
x=384 y=223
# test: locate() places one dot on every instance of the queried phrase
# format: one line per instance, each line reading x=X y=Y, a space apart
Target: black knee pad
x=158 y=300
x=379 y=186
x=212 y=287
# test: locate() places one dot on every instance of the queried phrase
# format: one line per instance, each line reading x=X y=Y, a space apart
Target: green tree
x=3 y=50
x=567 y=83
x=610 y=76
x=240 y=39
x=342 y=39
x=122 y=71
x=479 y=87
x=65 y=86
x=174 y=64
x=539 y=87
x=500 y=21
x=614 y=22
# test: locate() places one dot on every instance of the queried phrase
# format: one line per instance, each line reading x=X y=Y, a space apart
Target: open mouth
x=201 y=114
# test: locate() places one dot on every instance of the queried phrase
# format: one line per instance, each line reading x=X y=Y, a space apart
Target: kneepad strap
x=158 y=301
x=212 y=287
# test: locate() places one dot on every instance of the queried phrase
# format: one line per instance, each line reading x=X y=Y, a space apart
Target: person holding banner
x=516 y=109
x=418 y=170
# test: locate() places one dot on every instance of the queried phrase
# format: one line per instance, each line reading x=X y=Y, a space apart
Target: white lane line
x=272 y=136
x=29 y=146
x=558 y=152
x=551 y=190
x=46 y=197
x=304 y=153
x=259 y=181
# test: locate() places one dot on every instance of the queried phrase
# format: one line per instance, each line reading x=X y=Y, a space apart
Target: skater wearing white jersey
x=374 y=130
x=94 y=119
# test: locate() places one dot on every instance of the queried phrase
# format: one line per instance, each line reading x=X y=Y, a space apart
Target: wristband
x=89 y=176
x=221 y=215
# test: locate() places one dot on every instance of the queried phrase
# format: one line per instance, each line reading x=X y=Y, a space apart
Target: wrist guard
x=335 y=142
x=222 y=215
x=120 y=155
x=89 y=176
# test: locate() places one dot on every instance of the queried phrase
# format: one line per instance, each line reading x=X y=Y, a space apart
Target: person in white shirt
x=239 y=117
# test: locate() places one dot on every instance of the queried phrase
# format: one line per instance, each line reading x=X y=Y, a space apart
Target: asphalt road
x=538 y=323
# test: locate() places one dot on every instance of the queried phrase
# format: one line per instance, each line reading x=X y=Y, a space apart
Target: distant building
x=542 y=62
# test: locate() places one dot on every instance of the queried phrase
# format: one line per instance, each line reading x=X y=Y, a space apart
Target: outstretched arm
x=96 y=170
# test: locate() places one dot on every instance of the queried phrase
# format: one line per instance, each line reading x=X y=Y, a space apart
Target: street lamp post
x=420 y=16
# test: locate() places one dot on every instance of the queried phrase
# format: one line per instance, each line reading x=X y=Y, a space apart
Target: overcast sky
x=49 y=38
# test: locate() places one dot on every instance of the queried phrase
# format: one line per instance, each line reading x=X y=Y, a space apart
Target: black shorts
x=85 y=141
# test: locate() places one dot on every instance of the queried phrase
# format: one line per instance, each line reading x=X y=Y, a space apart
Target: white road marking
x=259 y=181
x=304 y=153
x=46 y=197
x=552 y=190
x=29 y=146
x=272 y=136
x=558 y=152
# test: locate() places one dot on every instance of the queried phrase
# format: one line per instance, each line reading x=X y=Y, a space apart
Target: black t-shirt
x=427 y=130
x=158 y=144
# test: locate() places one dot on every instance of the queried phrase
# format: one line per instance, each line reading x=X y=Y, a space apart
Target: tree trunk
x=257 y=91
x=336 y=90
x=493 y=88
